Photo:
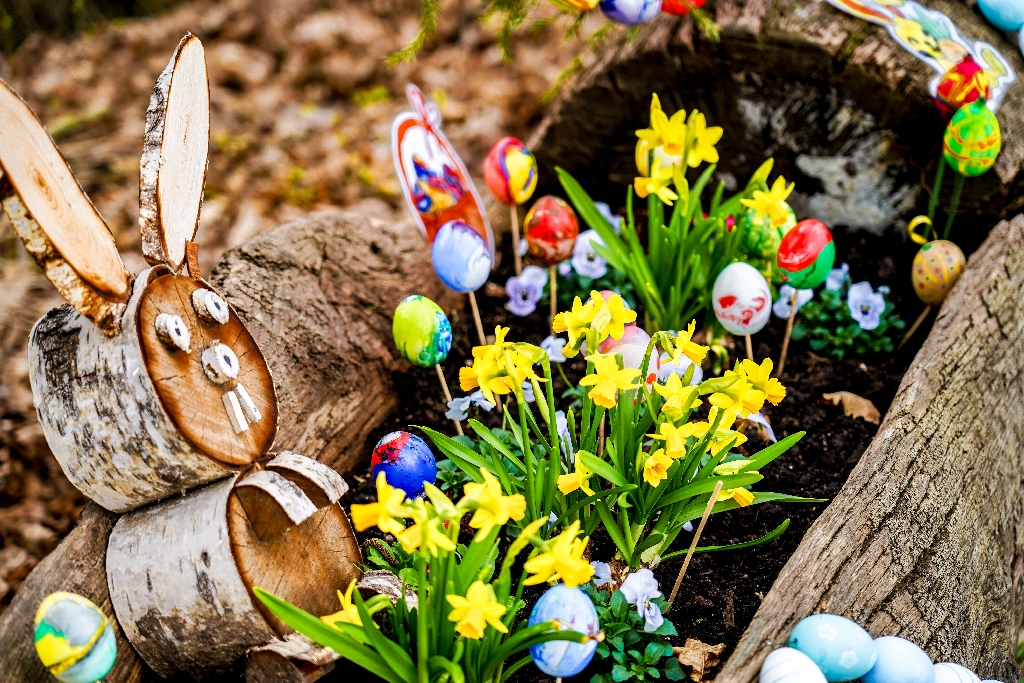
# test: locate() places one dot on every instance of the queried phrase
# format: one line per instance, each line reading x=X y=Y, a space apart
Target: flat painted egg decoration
x=937 y=267
x=631 y=12
x=899 y=660
x=574 y=611
x=841 y=648
x=964 y=83
x=406 y=461
x=947 y=672
x=760 y=237
x=551 y=230
x=742 y=299
x=787 y=665
x=680 y=8
x=1007 y=15
x=461 y=258
x=74 y=639
x=972 y=139
x=510 y=171
x=806 y=254
x=422 y=331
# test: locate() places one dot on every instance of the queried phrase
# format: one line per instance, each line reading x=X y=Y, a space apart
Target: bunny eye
x=220 y=363
x=210 y=307
x=173 y=332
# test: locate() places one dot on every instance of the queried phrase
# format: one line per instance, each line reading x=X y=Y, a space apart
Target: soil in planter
x=721 y=591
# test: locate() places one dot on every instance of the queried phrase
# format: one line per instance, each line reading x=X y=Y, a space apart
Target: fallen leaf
x=700 y=656
x=855 y=406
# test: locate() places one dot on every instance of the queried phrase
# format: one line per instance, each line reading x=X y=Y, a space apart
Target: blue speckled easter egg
x=947 y=672
x=406 y=461
x=574 y=610
x=74 y=639
x=422 y=331
x=841 y=648
x=1007 y=15
x=631 y=12
x=461 y=257
x=899 y=661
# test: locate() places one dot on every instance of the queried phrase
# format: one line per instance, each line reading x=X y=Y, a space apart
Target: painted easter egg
x=631 y=12
x=947 y=672
x=841 y=648
x=680 y=7
x=551 y=230
x=899 y=660
x=74 y=639
x=964 y=83
x=787 y=665
x=760 y=237
x=937 y=267
x=1007 y=15
x=510 y=171
x=575 y=5
x=742 y=299
x=806 y=254
x=461 y=258
x=422 y=332
x=972 y=140
x=406 y=461
x=574 y=611
x=633 y=347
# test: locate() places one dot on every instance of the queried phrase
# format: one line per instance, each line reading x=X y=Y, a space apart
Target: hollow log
x=925 y=541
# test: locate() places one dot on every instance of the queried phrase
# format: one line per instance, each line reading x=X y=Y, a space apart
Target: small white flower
x=602 y=573
x=528 y=392
x=480 y=402
x=458 y=408
x=669 y=368
x=837 y=277
x=639 y=589
x=522 y=247
x=781 y=307
x=585 y=259
x=554 y=346
x=565 y=268
x=866 y=306
x=760 y=419
x=562 y=427
x=534 y=275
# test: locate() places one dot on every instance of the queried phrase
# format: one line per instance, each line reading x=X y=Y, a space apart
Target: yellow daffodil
x=562 y=558
x=760 y=378
x=656 y=467
x=575 y=322
x=579 y=479
x=519 y=366
x=443 y=505
x=349 y=614
x=739 y=398
x=611 y=316
x=674 y=438
x=773 y=202
x=732 y=467
x=667 y=133
x=685 y=346
x=678 y=398
x=428 y=534
x=385 y=513
x=657 y=184
x=491 y=507
x=702 y=148
x=608 y=380
x=485 y=373
x=476 y=611
x=742 y=497
x=723 y=437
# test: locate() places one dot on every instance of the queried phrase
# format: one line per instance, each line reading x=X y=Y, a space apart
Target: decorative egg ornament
x=1007 y=15
x=947 y=672
x=551 y=230
x=742 y=299
x=972 y=140
x=964 y=83
x=839 y=647
x=633 y=347
x=422 y=331
x=761 y=238
x=787 y=665
x=461 y=258
x=680 y=8
x=574 y=611
x=806 y=254
x=631 y=12
x=899 y=660
x=510 y=171
x=406 y=461
x=74 y=639
x=937 y=267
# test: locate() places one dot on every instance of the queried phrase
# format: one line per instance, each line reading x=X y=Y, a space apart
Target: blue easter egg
x=841 y=648
x=947 y=672
x=73 y=638
x=461 y=257
x=899 y=661
x=406 y=461
x=631 y=12
x=574 y=610
x=1007 y=15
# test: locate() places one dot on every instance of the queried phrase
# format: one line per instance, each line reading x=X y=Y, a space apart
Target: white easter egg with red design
x=633 y=347
x=742 y=299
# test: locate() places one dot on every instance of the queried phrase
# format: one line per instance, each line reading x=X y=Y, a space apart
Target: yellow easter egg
x=937 y=267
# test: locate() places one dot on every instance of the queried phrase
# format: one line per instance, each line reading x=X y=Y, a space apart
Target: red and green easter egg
x=972 y=140
x=551 y=230
x=510 y=171
x=806 y=254
x=937 y=267
x=760 y=237
x=680 y=7
x=964 y=83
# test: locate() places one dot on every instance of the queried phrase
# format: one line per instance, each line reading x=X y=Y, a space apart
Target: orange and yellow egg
x=937 y=267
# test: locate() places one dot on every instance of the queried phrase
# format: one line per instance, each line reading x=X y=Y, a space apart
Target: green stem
x=564 y=378
x=936 y=188
x=422 y=627
x=953 y=203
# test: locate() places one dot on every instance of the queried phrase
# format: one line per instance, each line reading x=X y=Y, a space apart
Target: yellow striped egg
x=937 y=267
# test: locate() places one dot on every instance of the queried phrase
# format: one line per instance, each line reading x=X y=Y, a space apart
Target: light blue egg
x=631 y=12
x=899 y=661
x=574 y=610
x=95 y=665
x=841 y=648
x=461 y=258
x=947 y=672
x=1007 y=15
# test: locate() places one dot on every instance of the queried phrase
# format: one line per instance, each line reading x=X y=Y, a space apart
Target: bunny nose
x=220 y=363
x=173 y=332
x=210 y=307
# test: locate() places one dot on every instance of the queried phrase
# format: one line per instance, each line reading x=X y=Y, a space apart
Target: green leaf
x=602 y=468
x=590 y=499
x=484 y=433
x=766 y=455
x=767 y=538
x=468 y=461
x=621 y=673
x=707 y=485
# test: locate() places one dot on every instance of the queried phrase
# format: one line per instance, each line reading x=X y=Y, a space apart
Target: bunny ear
x=174 y=156
x=54 y=217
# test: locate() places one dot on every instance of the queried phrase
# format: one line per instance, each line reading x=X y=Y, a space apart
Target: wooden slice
x=53 y=199
x=194 y=402
x=174 y=155
x=321 y=484
x=272 y=503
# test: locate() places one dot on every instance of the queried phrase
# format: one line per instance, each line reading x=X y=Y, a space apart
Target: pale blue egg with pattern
x=948 y=672
x=899 y=661
x=787 y=665
x=1007 y=15
x=461 y=257
x=631 y=12
x=841 y=648
x=574 y=611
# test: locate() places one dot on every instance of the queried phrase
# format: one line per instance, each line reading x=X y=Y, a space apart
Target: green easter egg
x=422 y=332
x=972 y=139
x=73 y=638
x=760 y=237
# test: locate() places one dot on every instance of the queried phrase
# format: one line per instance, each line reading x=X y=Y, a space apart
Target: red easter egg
x=510 y=171
x=964 y=83
x=680 y=7
x=806 y=254
x=551 y=230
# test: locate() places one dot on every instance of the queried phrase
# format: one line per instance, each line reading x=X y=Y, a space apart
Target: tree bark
x=925 y=540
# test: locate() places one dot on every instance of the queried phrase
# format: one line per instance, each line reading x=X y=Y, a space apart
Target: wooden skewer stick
x=554 y=295
x=750 y=347
x=477 y=320
x=917 y=324
x=448 y=396
x=516 y=258
x=789 y=331
x=693 y=543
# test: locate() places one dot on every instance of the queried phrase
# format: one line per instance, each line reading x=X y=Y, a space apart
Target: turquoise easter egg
x=841 y=648
x=422 y=331
x=73 y=638
x=899 y=661
x=573 y=610
x=947 y=672
x=1007 y=15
